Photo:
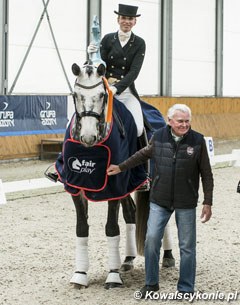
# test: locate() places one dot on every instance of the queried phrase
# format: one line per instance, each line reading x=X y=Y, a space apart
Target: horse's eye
x=101 y=95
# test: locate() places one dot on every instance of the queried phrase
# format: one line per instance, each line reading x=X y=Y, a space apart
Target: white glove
x=113 y=89
x=92 y=48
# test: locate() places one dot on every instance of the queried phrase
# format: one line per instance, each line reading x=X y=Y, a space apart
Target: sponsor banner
x=26 y=115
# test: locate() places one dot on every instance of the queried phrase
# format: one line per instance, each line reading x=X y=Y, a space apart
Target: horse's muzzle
x=88 y=141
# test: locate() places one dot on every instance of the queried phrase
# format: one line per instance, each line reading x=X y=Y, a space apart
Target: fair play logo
x=82 y=166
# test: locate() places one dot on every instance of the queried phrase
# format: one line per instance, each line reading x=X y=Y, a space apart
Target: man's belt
x=113 y=80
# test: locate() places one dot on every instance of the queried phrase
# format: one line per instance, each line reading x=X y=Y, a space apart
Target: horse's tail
x=142 y=212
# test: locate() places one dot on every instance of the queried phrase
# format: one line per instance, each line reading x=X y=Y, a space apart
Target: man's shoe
x=147 y=290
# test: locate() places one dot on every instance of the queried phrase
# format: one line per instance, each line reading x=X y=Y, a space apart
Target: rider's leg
x=133 y=105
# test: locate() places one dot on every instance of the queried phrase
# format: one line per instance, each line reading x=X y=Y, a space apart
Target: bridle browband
x=90 y=113
x=88 y=87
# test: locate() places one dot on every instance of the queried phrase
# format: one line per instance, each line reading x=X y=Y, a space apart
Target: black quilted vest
x=176 y=173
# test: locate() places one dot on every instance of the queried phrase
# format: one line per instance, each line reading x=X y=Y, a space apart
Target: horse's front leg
x=113 y=237
x=129 y=215
x=79 y=277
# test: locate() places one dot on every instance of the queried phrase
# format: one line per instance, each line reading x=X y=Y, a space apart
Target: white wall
x=231 y=49
x=193 y=63
x=193 y=68
x=42 y=72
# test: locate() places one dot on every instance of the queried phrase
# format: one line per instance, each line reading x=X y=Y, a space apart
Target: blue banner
x=26 y=115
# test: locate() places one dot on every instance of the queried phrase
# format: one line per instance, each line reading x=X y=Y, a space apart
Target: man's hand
x=206 y=213
x=113 y=170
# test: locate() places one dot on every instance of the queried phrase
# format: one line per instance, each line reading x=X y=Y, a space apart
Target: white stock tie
x=123 y=37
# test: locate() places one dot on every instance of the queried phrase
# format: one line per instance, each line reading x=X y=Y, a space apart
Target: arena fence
x=214 y=117
x=232 y=159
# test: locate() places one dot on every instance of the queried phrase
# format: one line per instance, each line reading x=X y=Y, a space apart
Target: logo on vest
x=6 y=116
x=190 y=150
x=82 y=166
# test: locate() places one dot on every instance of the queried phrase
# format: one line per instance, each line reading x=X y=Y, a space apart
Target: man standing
x=180 y=157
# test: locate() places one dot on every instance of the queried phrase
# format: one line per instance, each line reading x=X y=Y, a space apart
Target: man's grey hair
x=179 y=107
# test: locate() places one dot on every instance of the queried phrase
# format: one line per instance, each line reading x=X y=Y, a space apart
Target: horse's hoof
x=79 y=279
x=127 y=265
x=113 y=280
x=112 y=285
x=168 y=262
x=78 y=287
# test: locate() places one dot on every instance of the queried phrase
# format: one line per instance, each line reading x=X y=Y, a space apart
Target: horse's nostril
x=89 y=141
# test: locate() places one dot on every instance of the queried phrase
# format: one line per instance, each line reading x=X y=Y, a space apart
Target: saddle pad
x=85 y=168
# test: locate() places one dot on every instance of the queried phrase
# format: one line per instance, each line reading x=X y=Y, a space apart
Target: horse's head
x=90 y=103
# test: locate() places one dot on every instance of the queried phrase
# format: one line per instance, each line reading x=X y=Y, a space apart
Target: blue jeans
x=186 y=225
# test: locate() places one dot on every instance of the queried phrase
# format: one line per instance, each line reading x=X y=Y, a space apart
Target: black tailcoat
x=123 y=63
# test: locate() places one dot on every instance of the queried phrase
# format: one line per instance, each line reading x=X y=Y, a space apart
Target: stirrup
x=50 y=175
x=144 y=187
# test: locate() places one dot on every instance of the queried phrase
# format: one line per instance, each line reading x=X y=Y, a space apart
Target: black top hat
x=127 y=10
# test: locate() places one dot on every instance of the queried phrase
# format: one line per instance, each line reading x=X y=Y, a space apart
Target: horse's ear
x=76 y=69
x=101 y=70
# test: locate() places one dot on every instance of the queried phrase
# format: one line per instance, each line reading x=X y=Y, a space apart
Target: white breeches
x=133 y=105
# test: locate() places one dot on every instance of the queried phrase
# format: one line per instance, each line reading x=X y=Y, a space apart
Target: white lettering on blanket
x=81 y=167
